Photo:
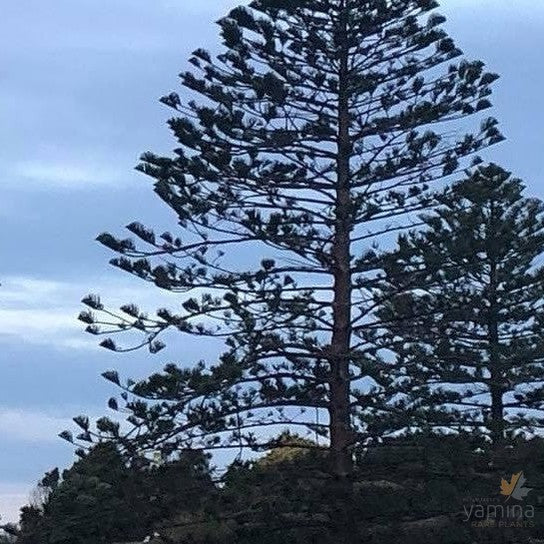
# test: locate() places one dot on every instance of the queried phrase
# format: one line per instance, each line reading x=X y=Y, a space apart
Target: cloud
x=39 y=312
x=493 y=4
x=34 y=429
x=117 y=25
x=504 y=10
x=31 y=427
x=199 y=7
x=32 y=322
x=43 y=311
x=64 y=174
x=37 y=430
x=12 y=497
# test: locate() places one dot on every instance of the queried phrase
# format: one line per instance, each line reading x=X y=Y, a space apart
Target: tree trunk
x=496 y=387
x=341 y=434
x=496 y=384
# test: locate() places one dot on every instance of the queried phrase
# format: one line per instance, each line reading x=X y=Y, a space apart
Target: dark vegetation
x=408 y=490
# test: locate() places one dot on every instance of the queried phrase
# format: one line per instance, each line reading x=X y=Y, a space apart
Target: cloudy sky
x=79 y=83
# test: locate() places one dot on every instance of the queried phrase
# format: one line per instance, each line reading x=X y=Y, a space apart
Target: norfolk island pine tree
x=467 y=327
x=318 y=130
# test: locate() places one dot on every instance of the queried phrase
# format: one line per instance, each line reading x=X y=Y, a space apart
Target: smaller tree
x=102 y=499
x=467 y=326
x=8 y=534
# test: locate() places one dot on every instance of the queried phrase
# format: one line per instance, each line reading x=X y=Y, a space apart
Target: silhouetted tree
x=468 y=330
x=411 y=489
x=102 y=499
x=316 y=131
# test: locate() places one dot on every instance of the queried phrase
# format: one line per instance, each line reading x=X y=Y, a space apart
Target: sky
x=79 y=88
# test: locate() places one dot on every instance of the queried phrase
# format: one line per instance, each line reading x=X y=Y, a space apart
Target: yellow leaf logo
x=514 y=488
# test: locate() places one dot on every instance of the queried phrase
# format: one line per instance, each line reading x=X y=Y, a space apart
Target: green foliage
x=313 y=135
x=467 y=324
x=407 y=490
x=7 y=534
x=102 y=499
x=287 y=447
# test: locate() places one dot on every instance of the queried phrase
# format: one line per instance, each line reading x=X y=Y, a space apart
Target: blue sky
x=79 y=83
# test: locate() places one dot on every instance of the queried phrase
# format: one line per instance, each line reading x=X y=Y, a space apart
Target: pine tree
x=468 y=327
x=102 y=499
x=319 y=128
